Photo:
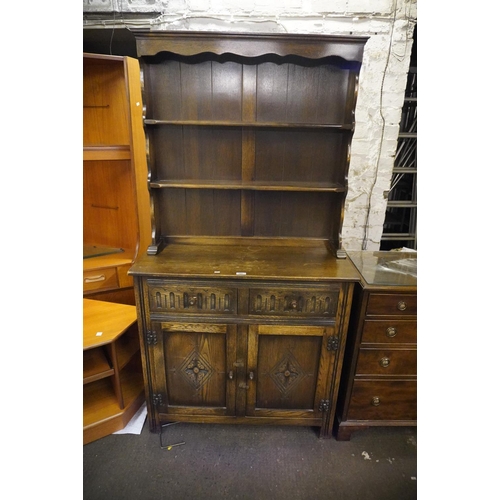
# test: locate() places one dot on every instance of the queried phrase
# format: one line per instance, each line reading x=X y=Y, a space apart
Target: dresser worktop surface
x=314 y=262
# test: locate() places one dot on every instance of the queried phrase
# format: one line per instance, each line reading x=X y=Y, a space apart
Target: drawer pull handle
x=402 y=305
x=95 y=279
x=391 y=332
x=384 y=362
x=192 y=300
x=251 y=376
x=293 y=304
x=231 y=375
x=375 y=401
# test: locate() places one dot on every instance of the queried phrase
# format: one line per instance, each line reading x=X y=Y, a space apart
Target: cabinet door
x=289 y=369
x=190 y=373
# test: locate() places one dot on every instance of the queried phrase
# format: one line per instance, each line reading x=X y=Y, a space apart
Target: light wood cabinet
x=116 y=221
x=244 y=292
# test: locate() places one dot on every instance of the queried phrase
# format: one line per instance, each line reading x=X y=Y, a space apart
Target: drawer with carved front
x=293 y=302
x=172 y=298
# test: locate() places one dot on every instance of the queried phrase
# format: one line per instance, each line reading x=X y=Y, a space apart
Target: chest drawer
x=100 y=279
x=387 y=362
x=383 y=400
x=392 y=304
x=376 y=331
x=286 y=302
x=164 y=297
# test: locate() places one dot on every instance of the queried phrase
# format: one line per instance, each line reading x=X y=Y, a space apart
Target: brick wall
x=388 y=23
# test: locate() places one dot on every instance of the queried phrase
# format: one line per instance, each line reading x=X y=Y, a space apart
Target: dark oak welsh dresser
x=244 y=294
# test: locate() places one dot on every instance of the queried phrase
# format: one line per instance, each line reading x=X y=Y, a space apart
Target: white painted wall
x=388 y=23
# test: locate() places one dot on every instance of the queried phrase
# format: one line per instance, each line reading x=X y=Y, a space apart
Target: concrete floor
x=252 y=463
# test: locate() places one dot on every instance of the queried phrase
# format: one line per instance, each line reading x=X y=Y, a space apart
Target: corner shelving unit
x=113 y=388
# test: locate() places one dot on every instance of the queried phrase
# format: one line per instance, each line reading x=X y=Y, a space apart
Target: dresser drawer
x=392 y=304
x=383 y=331
x=387 y=362
x=172 y=298
x=299 y=302
x=385 y=400
x=100 y=279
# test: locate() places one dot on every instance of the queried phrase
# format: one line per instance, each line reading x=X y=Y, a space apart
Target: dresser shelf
x=208 y=123
x=250 y=186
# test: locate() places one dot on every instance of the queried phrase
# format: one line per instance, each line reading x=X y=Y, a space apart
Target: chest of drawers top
x=394 y=271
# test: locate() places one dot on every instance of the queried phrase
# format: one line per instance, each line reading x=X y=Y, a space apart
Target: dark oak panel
x=287 y=372
x=197 y=153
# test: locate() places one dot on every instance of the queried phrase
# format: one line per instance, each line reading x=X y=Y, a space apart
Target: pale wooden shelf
x=113 y=387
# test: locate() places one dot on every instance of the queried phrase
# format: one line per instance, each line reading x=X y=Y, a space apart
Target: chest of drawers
x=379 y=379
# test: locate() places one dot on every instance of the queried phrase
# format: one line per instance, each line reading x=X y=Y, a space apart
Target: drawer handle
x=192 y=300
x=375 y=401
x=95 y=279
x=251 y=376
x=402 y=305
x=231 y=375
x=293 y=304
x=384 y=362
x=391 y=332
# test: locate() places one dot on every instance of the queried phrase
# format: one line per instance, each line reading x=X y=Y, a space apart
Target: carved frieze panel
x=173 y=299
x=285 y=302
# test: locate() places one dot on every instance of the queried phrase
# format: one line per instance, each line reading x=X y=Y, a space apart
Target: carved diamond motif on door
x=287 y=373
x=196 y=370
